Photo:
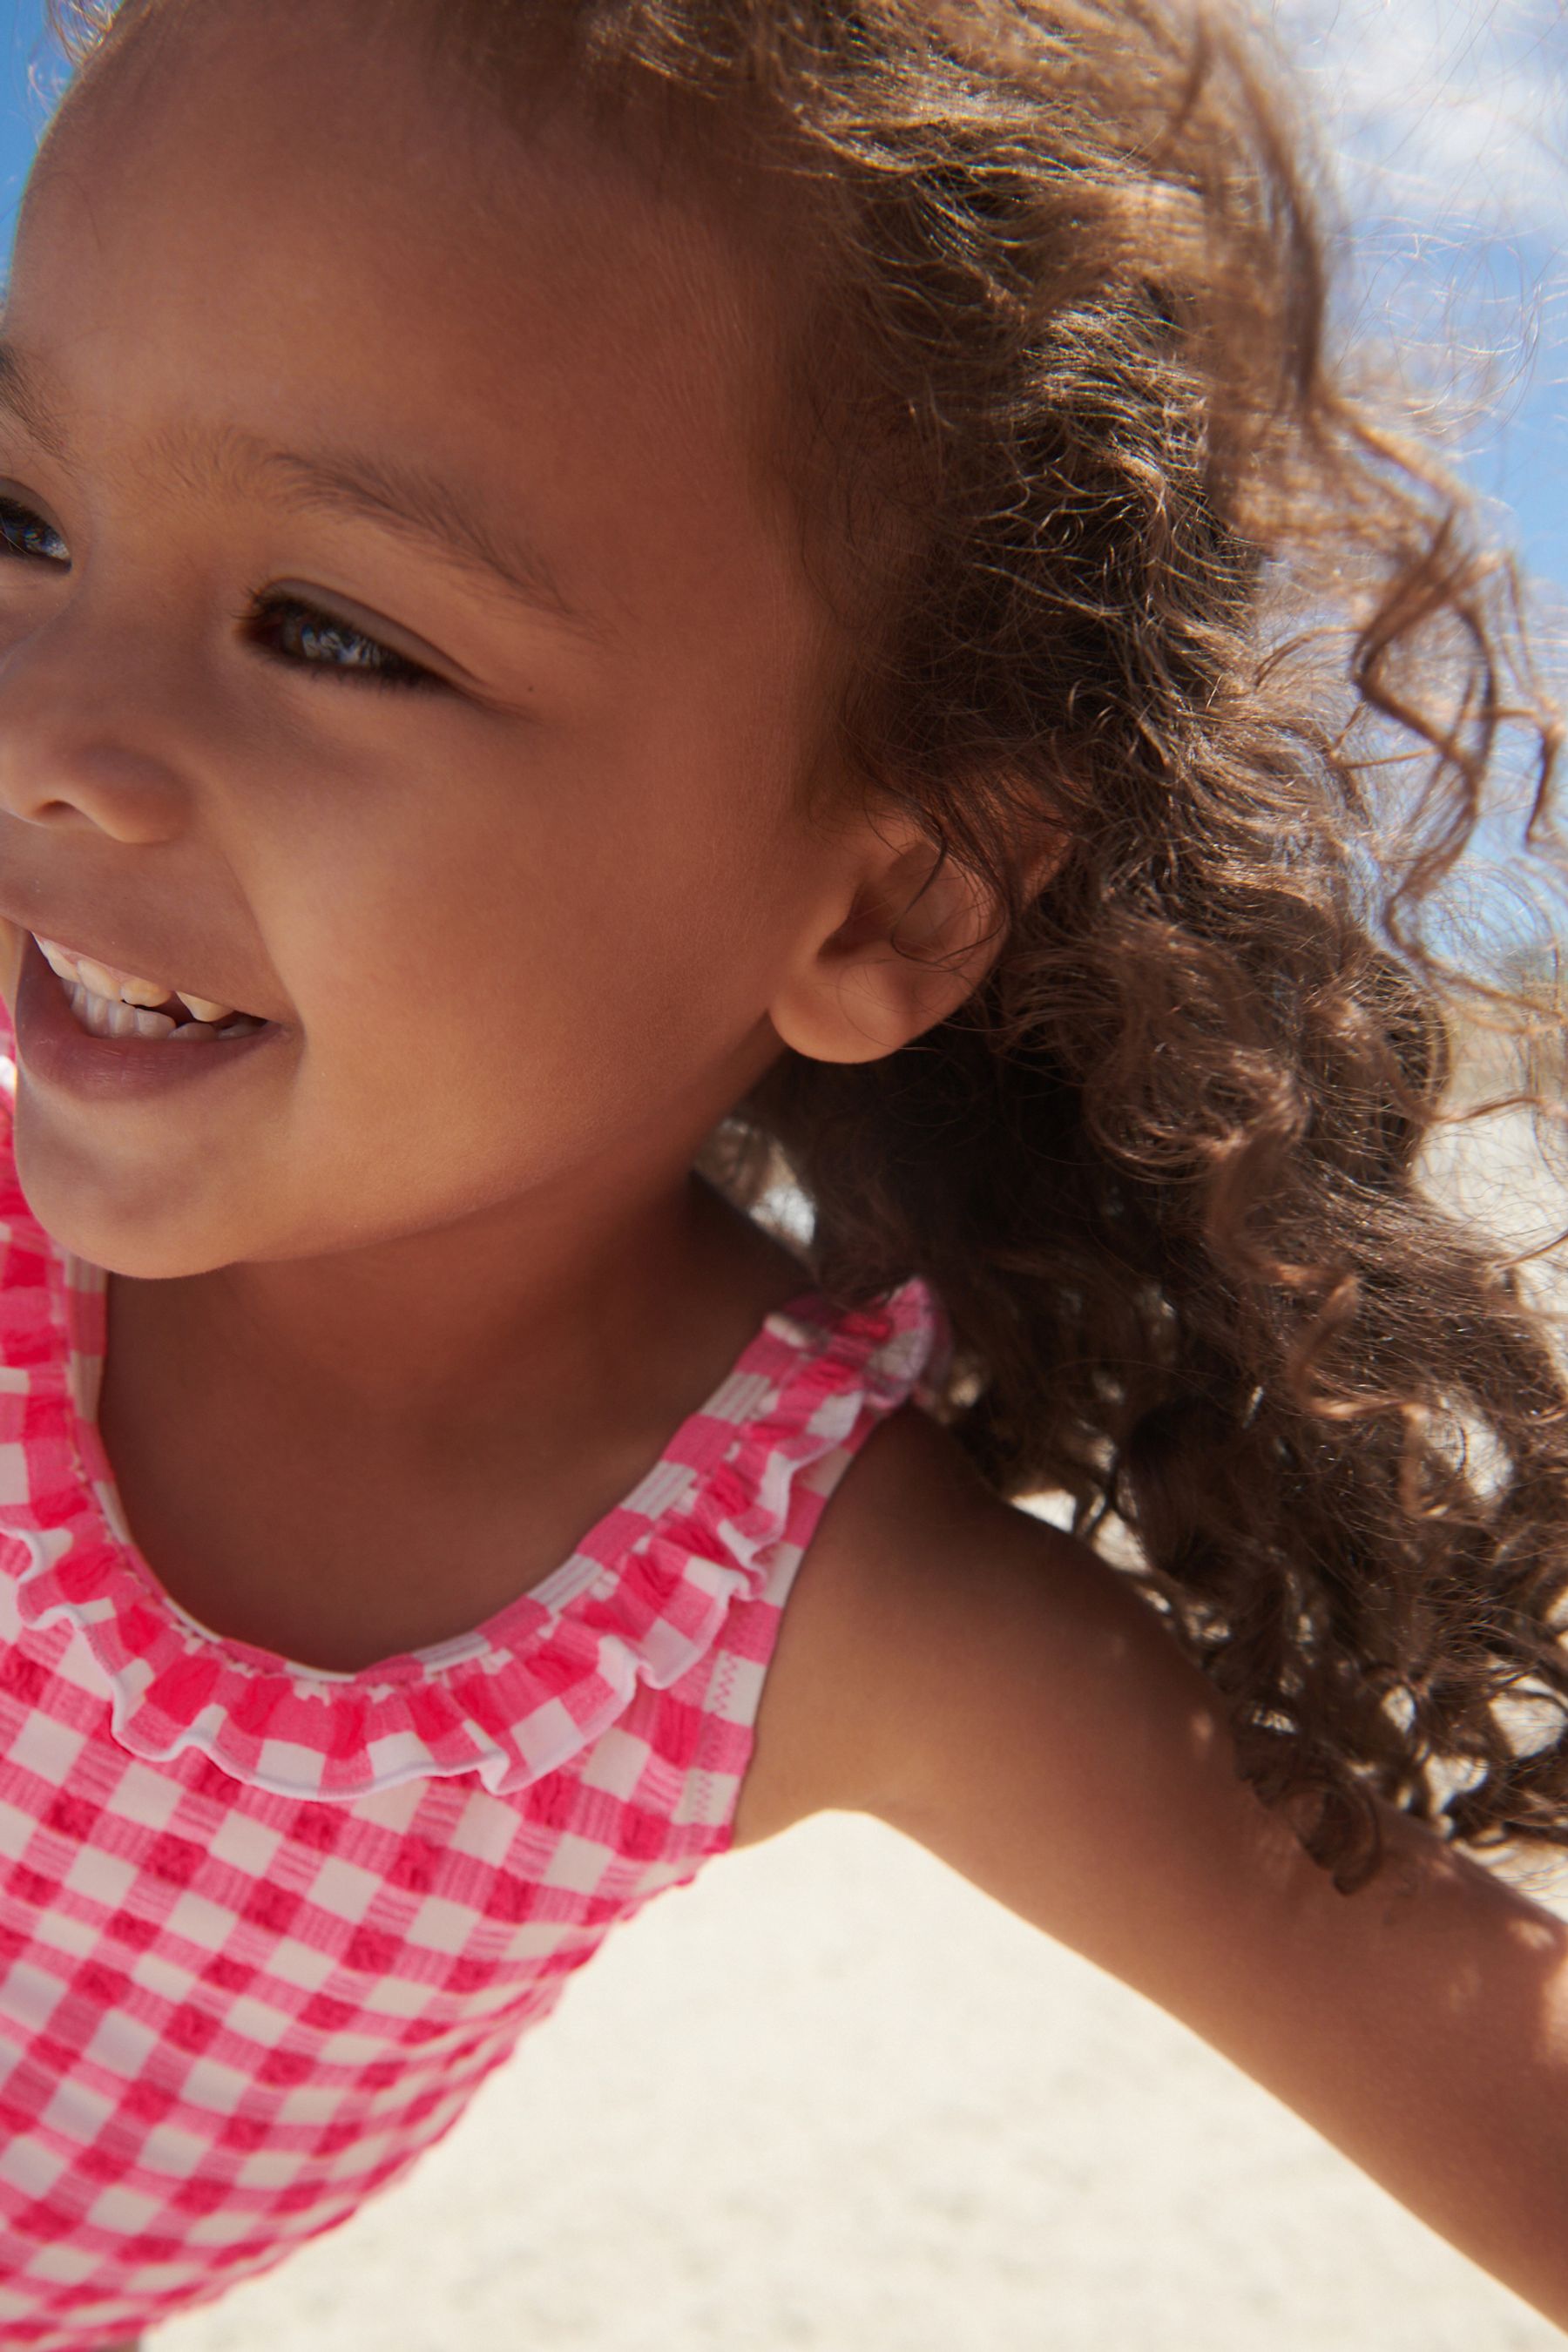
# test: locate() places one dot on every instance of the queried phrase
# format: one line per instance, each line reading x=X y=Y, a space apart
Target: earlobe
x=919 y=936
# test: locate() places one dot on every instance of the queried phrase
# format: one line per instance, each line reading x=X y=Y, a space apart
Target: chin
x=84 y=1214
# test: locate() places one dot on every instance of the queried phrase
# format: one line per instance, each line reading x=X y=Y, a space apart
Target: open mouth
x=109 y=1003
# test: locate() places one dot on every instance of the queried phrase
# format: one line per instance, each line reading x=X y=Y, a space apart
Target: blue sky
x=1449 y=121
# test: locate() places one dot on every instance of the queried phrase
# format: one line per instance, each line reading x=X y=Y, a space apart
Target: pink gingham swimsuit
x=264 y=1929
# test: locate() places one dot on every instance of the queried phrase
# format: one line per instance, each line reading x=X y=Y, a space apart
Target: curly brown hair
x=1115 y=541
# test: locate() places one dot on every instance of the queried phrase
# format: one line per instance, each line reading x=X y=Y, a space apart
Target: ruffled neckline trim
x=640 y=1600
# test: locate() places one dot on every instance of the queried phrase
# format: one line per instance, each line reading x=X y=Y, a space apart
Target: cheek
x=663 y=970
x=584 y=916
x=633 y=908
x=569 y=1001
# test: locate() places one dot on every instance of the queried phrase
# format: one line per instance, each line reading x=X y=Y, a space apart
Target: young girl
x=606 y=603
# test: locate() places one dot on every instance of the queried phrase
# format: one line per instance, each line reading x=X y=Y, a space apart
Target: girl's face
x=307 y=383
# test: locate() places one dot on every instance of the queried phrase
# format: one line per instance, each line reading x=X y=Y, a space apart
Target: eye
x=295 y=633
x=24 y=536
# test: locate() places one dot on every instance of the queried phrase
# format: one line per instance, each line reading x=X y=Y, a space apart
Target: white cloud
x=1446 y=112
x=1447 y=121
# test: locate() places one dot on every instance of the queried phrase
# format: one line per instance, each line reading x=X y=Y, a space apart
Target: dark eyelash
x=14 y=516
x=390 y=669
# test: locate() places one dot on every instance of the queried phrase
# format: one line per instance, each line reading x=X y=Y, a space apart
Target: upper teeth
x=104 y=980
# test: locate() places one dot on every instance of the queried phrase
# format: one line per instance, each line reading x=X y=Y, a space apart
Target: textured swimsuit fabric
x=264 y=1929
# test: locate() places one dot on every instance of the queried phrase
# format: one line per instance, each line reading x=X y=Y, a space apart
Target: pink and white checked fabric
x=263 y=1930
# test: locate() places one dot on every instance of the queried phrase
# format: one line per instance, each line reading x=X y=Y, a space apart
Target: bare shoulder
x=916 y=1574
x=985 y=1682
x=995 y=1691
x=814 y=1742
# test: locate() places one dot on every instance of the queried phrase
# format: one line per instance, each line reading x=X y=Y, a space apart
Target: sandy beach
x=831 y=2099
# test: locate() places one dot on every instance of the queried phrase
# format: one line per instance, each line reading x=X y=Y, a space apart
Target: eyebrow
x=408 y=500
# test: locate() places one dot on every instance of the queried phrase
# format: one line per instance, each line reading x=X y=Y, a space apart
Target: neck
x=541 y=1313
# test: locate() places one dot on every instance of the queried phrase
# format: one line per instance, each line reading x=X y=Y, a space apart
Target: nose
x=83 y=741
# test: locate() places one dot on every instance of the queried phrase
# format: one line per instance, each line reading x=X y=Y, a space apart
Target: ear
x=910 y=934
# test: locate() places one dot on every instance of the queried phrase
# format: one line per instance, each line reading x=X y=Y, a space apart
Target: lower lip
x=51 y=1045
